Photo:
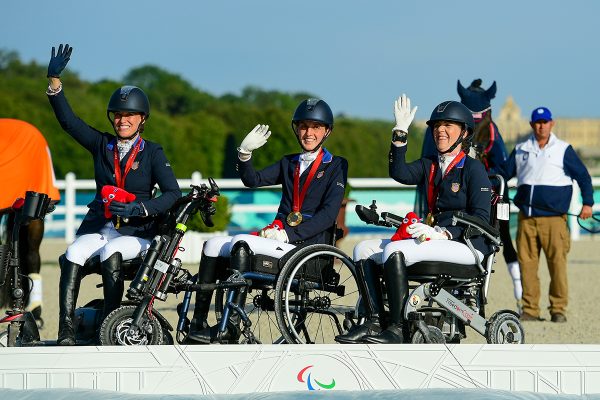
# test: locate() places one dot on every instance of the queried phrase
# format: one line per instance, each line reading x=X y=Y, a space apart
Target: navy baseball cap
x=541 y=113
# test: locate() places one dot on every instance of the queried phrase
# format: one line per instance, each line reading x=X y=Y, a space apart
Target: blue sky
x=357 y=55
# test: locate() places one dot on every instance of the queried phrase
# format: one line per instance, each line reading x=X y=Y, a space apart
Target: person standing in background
x=545 y=167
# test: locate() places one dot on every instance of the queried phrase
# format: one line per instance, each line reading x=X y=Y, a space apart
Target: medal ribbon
x=120 y=180
x=299 y=195
x=432 y=189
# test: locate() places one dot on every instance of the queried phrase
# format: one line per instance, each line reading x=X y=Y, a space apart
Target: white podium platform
x=231 y=369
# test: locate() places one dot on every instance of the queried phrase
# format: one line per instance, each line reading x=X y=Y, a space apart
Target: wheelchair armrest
x=392 y=219
x=367 y=215
x=485 y=228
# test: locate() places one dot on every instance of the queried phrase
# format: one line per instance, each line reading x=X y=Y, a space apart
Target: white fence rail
x=73 y=212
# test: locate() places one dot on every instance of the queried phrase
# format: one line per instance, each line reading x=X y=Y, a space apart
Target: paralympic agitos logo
x=309 y=380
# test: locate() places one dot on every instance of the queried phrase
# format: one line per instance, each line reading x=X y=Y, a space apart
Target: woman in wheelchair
x=454 y=182
x=124 y=163
x=313 y=184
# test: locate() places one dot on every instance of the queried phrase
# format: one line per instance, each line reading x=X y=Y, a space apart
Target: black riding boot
x=241 y=260
x=200 y=331
x=367 y=272
x=68 y=289
x=112 y=283
x=396 y=282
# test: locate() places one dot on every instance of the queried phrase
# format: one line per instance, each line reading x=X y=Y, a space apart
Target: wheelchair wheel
x=316 y=295
x=504 y=327
x=4 y=339
x=435 y=335
x=260 y=309
x=114 y=330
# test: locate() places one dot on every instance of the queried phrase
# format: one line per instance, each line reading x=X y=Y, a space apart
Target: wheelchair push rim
x=311 y=311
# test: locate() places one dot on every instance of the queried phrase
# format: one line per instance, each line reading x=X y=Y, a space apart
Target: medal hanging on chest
x=120 y=178
x=294 y=218
x=433 y=189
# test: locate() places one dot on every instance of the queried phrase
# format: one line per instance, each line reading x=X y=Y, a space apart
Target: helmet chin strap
x=318 y=146
x=134 y=134
x=458 y=141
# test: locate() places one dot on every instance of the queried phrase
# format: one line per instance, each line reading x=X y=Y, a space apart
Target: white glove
x=403 y=114
x=424 y=232
x=255 y=139
x=275 y=234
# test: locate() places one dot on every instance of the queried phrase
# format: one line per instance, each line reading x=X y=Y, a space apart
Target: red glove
x=112 y=193
x=401 y=232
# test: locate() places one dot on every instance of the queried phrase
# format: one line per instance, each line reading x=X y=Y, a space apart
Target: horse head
x=474 y=97
x=478 y=100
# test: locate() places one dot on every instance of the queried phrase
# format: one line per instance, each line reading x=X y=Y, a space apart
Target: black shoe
x=66 y=337
x=358 y=332
x=528 y=317
x=559 y=317
x=391 y=335
x=210 y=334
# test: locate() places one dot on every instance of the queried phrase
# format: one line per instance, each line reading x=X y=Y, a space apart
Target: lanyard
x=299 y=195
x=120 y=180
x=432 y=189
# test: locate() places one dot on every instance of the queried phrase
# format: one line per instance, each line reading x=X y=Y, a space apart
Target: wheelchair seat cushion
x=435 y=268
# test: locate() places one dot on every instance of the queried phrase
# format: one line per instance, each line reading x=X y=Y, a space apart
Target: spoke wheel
x=316 y=295
x=260 y=309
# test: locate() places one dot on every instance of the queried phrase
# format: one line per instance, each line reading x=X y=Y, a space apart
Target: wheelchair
x=444 y=297
x=303 y=297
x=153 y=275
x=320 y=287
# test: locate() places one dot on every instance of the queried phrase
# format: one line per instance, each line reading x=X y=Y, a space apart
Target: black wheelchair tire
x=113 y=330
x=504 y=327
x=291 y=317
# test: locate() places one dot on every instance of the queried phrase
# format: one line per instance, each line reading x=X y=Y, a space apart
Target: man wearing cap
x=545 y=167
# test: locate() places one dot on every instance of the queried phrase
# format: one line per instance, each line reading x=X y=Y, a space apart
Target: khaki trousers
x=550 y=234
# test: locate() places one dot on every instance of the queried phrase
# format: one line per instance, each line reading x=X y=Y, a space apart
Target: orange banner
x=25 y=162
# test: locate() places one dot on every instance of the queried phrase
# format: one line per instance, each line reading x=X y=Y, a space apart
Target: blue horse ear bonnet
x=474 y=97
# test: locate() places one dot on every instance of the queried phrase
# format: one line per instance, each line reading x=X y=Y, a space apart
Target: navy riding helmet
x=129 y=99
x=455 y=112
x=314 y=110
x=452 y=111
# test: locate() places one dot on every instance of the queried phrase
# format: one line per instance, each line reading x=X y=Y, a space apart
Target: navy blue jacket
x=323 y=198
x=152 y=168
x=466 y=188
x=545 y=177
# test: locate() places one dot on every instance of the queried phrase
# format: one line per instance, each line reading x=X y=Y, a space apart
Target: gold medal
x=294 y=218
x=429 y=220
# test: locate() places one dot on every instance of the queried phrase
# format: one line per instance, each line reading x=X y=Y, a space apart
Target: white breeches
x=221 y=246
x=264 y=246
x=105 y=243
x=414 y=251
